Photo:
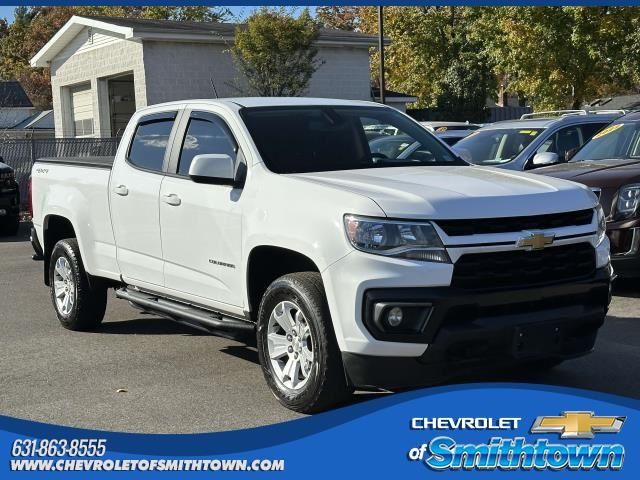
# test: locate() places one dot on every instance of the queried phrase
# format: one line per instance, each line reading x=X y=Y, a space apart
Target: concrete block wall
x=179 y=71
x=91 y=67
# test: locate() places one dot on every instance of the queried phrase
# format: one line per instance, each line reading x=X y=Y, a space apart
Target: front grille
x=515 y=224
x=517 y=268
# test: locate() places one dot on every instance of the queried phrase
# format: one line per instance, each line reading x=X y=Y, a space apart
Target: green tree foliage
x=556 y=57
x=433 y=54
x=34 y=26
x=276 y=52
x=562 y=56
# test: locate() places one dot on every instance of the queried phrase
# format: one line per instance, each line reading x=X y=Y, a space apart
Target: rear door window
x=150 y=141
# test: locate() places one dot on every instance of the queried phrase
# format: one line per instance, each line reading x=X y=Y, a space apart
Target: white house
x=18 y=117
x=104 y=68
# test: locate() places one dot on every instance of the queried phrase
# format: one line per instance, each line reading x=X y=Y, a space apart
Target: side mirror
x=214 y=168
x=545 y=158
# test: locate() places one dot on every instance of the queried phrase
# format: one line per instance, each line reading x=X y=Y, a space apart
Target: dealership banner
x=510 y=430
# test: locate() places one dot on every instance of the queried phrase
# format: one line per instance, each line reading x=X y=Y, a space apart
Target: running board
x=184 y=313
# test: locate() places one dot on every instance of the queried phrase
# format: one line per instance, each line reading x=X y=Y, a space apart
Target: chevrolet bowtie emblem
x=535 y=240
x=577 y=425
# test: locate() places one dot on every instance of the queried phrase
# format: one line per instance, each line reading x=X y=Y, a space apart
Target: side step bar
x=184 y=313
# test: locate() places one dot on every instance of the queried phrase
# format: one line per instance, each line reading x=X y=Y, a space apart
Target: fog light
x=394 y=318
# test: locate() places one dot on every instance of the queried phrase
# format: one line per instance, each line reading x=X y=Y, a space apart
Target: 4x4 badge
x=535 y=240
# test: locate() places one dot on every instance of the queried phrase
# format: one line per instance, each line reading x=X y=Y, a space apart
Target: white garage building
x=104 y=68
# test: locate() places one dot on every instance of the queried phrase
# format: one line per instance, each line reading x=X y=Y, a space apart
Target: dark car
x=9 y=201
x=610 y=164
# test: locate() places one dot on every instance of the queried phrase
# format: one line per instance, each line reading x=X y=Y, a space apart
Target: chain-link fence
x=20 y=154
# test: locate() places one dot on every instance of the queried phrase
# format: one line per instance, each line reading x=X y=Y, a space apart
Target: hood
x=579 y=171
x=607 y=175
x=457 y=192
x=4 y=168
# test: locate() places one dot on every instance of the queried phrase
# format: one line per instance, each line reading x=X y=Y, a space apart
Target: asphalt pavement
x=145 y=374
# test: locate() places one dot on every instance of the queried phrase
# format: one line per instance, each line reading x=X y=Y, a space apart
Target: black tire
x=90 y=300
x=326 y=386
x=9 y=227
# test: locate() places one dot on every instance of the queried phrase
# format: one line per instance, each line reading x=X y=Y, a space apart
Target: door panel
x=134 y=192
x=201 y=240
x=202 y=224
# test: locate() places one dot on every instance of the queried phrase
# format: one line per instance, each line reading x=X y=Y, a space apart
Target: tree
x=562 y=56
x=341 y=18
x=275 y=52
x=433 y=54
x=33 y=27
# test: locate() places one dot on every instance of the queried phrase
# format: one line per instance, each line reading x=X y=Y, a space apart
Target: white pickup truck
x=355 y=269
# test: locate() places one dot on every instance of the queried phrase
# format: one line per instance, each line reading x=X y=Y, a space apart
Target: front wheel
x=78 y=304
x=298 y=352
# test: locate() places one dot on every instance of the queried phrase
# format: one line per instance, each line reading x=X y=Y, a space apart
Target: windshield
x=495 y=146
x=617 y=141
x=326 y=138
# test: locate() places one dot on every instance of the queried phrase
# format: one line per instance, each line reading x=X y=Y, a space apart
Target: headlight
x=628 y=200
x=602 y=223
x=412 y=240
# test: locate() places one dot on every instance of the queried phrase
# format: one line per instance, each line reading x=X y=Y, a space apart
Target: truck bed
x=97 y=162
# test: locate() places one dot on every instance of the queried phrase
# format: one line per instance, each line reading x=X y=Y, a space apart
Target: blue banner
x=511 y=430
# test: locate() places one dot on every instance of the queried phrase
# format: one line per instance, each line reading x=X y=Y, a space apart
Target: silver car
x=536 y=140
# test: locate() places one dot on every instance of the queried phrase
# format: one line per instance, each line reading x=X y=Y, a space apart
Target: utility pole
x=381 y=50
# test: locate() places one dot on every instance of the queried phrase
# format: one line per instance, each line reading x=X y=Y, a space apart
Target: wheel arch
x=265 y=264
x=54 y=229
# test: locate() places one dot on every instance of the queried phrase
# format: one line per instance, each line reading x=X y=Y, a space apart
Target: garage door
x=82 y=110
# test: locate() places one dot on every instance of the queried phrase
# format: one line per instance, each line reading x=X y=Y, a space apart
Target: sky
x=241 y=12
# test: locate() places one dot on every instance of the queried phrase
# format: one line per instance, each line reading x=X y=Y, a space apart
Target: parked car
x=610 y=165
x=9 y=201
x=536 y=140
x=451 y=132
x=271 y=217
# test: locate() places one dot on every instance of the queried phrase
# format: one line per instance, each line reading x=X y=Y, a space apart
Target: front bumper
x=477 y=329
x=625 y=250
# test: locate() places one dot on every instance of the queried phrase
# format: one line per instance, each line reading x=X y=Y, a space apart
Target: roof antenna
x=213 y=85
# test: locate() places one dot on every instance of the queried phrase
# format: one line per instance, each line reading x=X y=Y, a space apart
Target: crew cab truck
x=271 y=216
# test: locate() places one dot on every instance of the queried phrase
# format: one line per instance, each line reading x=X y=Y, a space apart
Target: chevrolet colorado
x=355 y=270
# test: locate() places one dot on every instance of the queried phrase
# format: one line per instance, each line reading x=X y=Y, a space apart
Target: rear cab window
x=150 y=141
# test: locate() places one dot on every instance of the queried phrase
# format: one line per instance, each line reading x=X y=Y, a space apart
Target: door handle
x=172 y=199
x=121 y=190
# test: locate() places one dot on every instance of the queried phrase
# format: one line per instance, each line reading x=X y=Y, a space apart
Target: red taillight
x=29 y=198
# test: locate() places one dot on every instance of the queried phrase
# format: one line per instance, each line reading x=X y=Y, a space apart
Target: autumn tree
x=339 y=17
x=275 y=52
x=563 y=56
x=433 y=55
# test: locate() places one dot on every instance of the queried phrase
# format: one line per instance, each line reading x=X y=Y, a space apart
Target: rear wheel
x=79 y=305
x=298 y=352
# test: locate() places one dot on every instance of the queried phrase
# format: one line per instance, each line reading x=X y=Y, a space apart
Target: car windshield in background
x=495 y=146
x=617 y=141
x=302 y=139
